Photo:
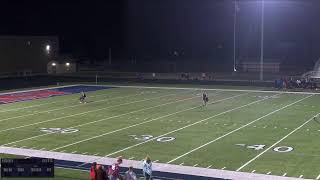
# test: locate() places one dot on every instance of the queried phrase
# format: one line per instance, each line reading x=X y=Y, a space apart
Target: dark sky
x=155 y=29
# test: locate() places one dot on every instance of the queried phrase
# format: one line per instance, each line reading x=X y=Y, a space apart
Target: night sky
x=173 y=30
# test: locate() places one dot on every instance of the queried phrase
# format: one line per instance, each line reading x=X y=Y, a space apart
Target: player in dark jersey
x=83 y=97
x=205 y=99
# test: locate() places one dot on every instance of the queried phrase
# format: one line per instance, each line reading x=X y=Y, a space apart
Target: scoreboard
x=31 y=167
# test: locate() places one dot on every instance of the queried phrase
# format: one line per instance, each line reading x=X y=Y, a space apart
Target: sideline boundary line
x=159 y=167
x=283 y=138
x=212 y=89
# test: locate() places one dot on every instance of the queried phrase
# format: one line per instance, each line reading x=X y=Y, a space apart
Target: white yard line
x=283 y=138
x=235 y=130
x=33 y=137
x=86 y=112
x=209 y=166
x=64 y=107
x=219 y=114
x=253 y=171
x=284 y=174
x=213 y=89
x=269 y=172
x=301 y=176
x=110 y=132
x=318 y=177
x=42 y=104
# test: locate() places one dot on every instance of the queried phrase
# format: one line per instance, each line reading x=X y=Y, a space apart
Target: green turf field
x=262 y=132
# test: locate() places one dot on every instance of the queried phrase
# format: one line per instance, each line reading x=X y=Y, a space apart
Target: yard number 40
x=257 y=147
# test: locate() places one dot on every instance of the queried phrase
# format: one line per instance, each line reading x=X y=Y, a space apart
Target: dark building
x=27 y=54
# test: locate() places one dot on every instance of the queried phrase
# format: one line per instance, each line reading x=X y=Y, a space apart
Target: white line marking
x=211 y=89
x=96 y=154
x=195 y=165
x=197 y=122
x=33 y=137
x=223 y=168
x=63 y=151
x=275 y=143
x=181 y=164
x=209 y=166
x=42 y=149
x=318 y=177
x=156 y=161
x=235 y=130
x=49 y=111
x=73 y=152
x=154 y=119
x=23 y=147
x=85 y=153
x=301 y=176
x=131 y=158
x=284 y=174
x=253 y=171
x=55 y=119
x=269 y=172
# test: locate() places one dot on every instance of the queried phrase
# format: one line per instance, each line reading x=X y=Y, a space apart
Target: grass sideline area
x=261 y=132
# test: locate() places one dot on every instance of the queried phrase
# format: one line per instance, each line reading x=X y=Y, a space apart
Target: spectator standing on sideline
x=114 y=170
x=93 y=171
x=130 y=175
x=101 y=173
x=147 y=168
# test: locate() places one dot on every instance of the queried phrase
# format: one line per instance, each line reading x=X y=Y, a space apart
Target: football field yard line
x=235 y=130
x=15 y=117
x=213 y=89
x=42 y=104
x=77 y=114
x=134 y=125
x=61 y=101
x=283 y=138
x=197 y=122
x=33 y=137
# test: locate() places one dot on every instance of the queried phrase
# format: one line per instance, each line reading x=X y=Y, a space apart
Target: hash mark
x=223 y=167
x=195 y=165
x=85 y=153
x=253 y=171
x=131 y=158
x=269 y=172
x=209 y=166
x=181 y=164
x=318 y=177
x=42 y=149
x=284 y=174
x=301 y=176
x=73 y=152
x=96 y=154
x=156 y=161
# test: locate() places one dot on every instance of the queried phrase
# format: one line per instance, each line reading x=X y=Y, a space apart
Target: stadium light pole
x=236 y=9
x=262 y=40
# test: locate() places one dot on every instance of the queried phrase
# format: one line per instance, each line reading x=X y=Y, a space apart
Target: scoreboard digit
x=31 y=167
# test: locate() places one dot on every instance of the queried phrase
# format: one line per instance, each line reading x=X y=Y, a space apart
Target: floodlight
x=67 y=64
x=53 y=64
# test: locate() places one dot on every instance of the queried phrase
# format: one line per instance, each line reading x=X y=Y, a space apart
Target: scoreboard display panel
x=31 y=167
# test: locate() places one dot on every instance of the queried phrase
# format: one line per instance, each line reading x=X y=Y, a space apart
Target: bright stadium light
x=67 y=64
x=53 y=64
x=48 y=48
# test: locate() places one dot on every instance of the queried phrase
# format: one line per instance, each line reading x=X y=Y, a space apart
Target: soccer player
x=83 y=97
x=205 y=99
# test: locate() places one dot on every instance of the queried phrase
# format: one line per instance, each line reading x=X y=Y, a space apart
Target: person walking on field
x=147 y=168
